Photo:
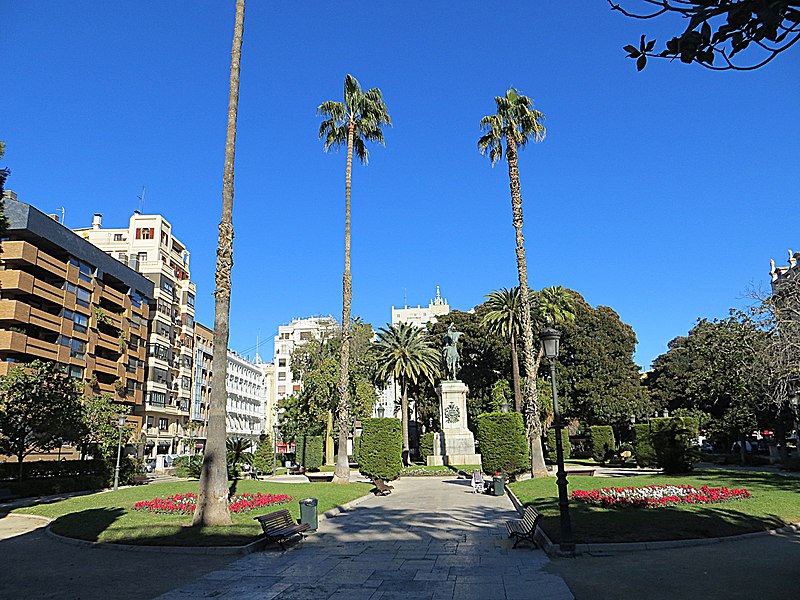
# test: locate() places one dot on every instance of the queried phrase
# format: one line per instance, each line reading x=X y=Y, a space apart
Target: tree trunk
x=212 y=500
x=531 y=401
x=330 y=458
x=515 y=375
x=404 y=421
x=342 y=472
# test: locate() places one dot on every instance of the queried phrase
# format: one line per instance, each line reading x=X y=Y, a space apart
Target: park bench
x=279 y=526
x=325 y=476
x=140 y=479
x=381 y=488
x=524 y=528
x=297 y=470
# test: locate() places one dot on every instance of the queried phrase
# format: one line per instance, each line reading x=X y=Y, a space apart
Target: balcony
x=25 y=282
x=27 y=252
x=14 y=310
x=109 y=342
x=109 y=367
x=112 y=295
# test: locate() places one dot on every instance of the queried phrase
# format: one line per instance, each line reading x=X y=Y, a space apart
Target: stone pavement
x=431 y=538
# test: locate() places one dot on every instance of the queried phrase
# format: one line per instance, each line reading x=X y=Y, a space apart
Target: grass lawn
x=775 y=502
x=419 y=470
x=109 y=516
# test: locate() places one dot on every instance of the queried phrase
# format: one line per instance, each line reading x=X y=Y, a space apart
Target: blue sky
x=662 y=194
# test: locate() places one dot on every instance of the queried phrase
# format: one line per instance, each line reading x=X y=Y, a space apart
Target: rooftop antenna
x=258 y=344
x=62 y=214
x=141 y=199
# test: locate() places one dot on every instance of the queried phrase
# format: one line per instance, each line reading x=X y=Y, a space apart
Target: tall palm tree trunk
x=533 y=424
x=404 y=421
x=212 y=501
x=515 y=375
x=342 y=472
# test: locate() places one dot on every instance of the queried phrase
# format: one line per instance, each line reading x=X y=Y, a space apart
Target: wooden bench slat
x=524 y=528
x=280 y=526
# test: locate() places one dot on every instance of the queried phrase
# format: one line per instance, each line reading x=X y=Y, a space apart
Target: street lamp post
x=121 y=421
x=381 y=411
x=550 y=340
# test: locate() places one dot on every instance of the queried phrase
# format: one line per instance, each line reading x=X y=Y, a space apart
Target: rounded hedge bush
x=309 y=450
x=380 y=454
x=503 y=443
x=426 y=445
x=673 y=441
x=643 y=449
x=550 y=443
x=603 y=444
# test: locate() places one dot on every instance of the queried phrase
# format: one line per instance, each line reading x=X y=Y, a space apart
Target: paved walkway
x=430 y=539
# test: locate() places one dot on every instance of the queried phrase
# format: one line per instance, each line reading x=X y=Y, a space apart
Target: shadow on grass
x=86 y=524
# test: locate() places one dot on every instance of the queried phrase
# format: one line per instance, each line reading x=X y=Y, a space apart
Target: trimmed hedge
x=357 y=449
x=263 y=457
x=381 y=452
x=44 y=469
x=643 y=450
x=550 y=444
x=426 y=445
x=503 y=443
x=603 y=444
x=673 y=441
x=309 y=451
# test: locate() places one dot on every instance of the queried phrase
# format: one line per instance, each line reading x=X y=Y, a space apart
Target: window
x=168 y=286
x=190 y=300
x=136 y=299
x=118 y=237
x=165 y=238
x=189 y=321
x=76 y=371
x=159 y=351
x=80 y=322
x=284 y=336
x=145 y=233
x=83 y=297
x=163 y=424
x=64 y=340
x=281 y=389
x=282 y=376
x=305 y=335
x=123 y=258
x=282 y=362
x=78 y=349
x=70 y=287
x=186 y=383
x=141 y=257
x=136 y=321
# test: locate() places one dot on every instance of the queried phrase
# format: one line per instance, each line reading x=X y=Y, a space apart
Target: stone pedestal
x=454 y=444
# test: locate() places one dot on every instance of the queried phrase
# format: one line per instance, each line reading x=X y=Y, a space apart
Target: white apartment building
x=148 y=246
x=247 y=399
x=389 y=397
x=296 y=333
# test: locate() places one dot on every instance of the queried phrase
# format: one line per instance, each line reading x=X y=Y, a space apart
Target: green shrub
x=357 y=449
x=550 y=445
x=55 y=485
x=426 y=446
x=309 y=451
x=503 y=443
x=603 y=444
x=189 y=466
x=263 y=457
x=43 y=469
x=129 y=467
x=381 y=452
x=673 y=441
x=643 y=450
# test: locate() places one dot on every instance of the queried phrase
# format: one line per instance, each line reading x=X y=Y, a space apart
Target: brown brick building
x=65 y=300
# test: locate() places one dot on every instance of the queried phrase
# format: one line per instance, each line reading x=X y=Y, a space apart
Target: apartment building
x=63 y=299
x=148 y=246
x=297 y=332
x=249 y=387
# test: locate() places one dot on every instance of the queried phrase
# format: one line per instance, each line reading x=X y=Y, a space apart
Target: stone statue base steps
x=454 y=444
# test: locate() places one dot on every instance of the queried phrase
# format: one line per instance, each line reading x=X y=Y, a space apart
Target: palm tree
x=353 y=122
x=504 y=319
x=403 y=352
x=212 y=500
x=517 y=122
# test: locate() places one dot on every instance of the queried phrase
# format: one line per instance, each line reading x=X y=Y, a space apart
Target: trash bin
x=498 y=485
x=308 y=512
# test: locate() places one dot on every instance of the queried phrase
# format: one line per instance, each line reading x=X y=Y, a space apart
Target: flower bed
x=184 y=504
x=654 y=496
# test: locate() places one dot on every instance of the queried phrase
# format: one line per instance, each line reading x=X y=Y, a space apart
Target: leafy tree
x=516 y=123
x=710 y=370
x=317 y=365
x=351 y=123
x=264 y=456
x=504 y=318
x=597 y=377
x=4 y=173
x=212 y=500
x=100 y=414
x=406 y=354
x=720 y=29
x=40 y=408
x=239 y=452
